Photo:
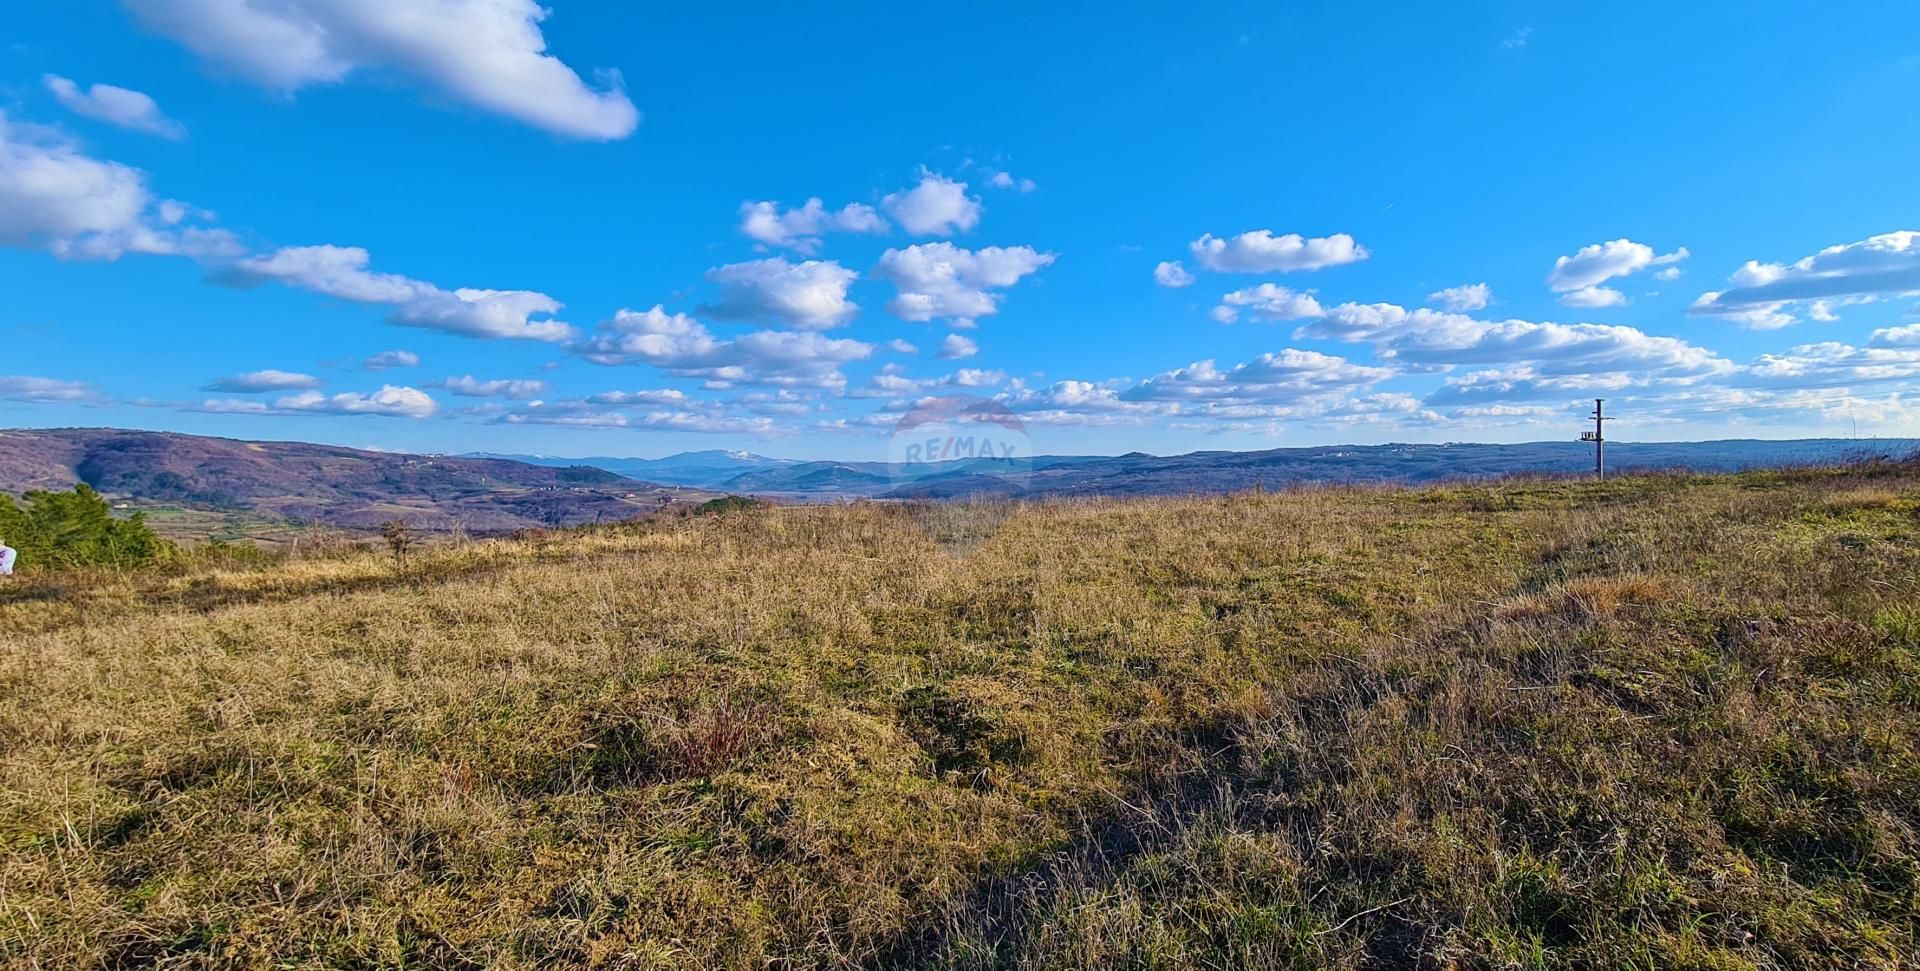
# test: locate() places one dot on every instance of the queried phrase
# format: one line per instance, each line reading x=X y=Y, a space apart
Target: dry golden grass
x=1587 y=598
x=1657 y=722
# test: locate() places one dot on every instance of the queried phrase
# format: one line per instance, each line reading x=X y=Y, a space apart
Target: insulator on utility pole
x=1599 y=439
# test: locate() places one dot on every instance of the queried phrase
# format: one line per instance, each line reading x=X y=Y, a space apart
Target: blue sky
x=459 y=225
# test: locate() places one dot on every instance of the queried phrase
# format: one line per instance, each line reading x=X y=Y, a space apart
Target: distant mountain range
x=697 y=469
x=202 y=486
x=1138 y=473
x=294 y=482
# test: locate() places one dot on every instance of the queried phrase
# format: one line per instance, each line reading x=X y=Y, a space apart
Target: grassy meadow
x=1656 y=722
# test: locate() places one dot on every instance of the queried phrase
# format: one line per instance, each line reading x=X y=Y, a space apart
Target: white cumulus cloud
x=254 y=382
x=941 y=280
x=811 y=295
x=20 y=387
x=1006 y=180
x=1436 y=340
x=1766 y=295
x=1593 y=297
x=892 y=383
x=1833 y=362
x=55 y=197
x=1074 y=402
x=114 y=105
x=470 y=387
x=392 y=359
x=486 y=53
x=1597 y=263
x=801 y=229
x=957 y=346
x=341 y=271
x=1169 y=273
x=1268 y=302
x=391 y=401
x=937 y=206
x=683 y=346
x=1260 y=251
x=658 y=397
x=973 y=377
x=1467 y=296
x=1905 y=336
x=1289 y=376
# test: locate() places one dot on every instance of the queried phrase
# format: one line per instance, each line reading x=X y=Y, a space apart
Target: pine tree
x=68 y=529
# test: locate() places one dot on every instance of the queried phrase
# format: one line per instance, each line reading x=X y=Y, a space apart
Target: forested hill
x=327 y=484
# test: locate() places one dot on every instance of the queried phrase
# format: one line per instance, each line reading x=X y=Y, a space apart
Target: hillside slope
x=1140 y=474
x=706 y=469
x=1219 y=472
x=1657 y=722
x=331 y=485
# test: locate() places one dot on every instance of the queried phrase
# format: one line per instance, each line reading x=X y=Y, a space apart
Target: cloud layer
x=1767 y=295
x=1439 y=340
x=391 y=401
x=36 y=390
x=685 y=347
x=255 y=382
x=55 y=197
x=1418 y=367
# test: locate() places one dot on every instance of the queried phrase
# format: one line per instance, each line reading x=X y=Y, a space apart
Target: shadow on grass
x=87 y=600
x=29 y=591
x=1220 y=775
x=1214 y=775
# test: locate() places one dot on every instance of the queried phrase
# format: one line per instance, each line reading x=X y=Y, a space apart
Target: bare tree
x=399 y=537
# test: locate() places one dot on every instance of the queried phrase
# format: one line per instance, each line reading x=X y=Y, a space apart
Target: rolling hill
x=198 y=487
x=1140 y=474
x=293 y=482
x=704 y=469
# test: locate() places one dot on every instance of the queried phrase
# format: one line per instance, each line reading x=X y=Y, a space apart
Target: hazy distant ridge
x=1217 y=471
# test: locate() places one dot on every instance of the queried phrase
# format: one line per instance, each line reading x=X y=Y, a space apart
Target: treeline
x=53 y=530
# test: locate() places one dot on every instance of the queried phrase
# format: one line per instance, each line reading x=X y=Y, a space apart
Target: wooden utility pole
x=1599 y=439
